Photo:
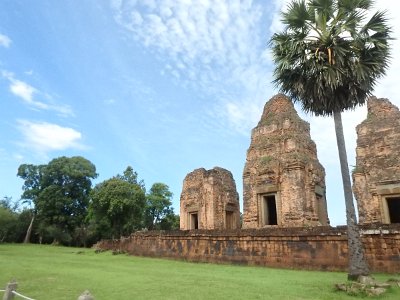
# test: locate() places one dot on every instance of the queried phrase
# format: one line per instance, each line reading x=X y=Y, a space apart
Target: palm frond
x=296 y=16
x=377 y=23
x=365 y=4
x=323 y=10
x=324 y=7
x=337 y=68
x=350 y=21
x=348 y=6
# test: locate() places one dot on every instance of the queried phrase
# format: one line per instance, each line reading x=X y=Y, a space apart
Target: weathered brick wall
x=318 y=248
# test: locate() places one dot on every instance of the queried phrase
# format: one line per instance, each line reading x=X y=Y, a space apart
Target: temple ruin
x=284 y=187
x=376 y=176
x=209 y=200
x=283 y=181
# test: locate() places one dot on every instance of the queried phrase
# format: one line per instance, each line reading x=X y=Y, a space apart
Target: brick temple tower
x=283 y=181
x=376 y=176
x=209 y=200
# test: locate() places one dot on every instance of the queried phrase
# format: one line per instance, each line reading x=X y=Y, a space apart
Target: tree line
x=60 y=205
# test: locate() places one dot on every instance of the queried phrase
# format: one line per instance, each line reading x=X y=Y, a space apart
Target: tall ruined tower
x=209 y=200
x=376 y=176
x=283 y=181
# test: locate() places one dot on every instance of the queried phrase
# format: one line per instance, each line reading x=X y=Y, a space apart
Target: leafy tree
x=169 y=222
x=7 y=203
x=23 y=222
x=131 y=176
x=59 y=192
x=8 y=220
x=328 y=58
x=117 y=206
x=64 y=198
x=31 y=174
x=13 y=223
x=158 y=206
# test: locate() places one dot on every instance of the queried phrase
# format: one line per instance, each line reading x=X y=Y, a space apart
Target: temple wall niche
x=376 y=176
x=209 y=200
x=283 y=181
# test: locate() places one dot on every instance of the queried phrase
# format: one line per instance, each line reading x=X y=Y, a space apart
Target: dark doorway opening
x=393 y=204
x=270 y=213
x=194 y=221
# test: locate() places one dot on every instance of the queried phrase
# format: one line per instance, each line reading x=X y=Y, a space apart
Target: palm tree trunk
x=357 y=261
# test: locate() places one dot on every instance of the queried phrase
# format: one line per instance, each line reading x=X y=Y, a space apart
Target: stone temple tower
x=283 y=181
x=209 y=200
x=376 y=176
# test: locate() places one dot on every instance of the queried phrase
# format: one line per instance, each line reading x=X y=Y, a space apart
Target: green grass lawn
x=50 y=272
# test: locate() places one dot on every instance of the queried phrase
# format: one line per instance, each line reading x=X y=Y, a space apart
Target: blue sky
x=165 y=86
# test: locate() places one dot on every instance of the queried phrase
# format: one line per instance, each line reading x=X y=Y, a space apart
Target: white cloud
x=23 y=90
x=276 y=24
x=5 y=41
x=220 y=48
x=27 y=93
x=44 y=137
x=216 y=47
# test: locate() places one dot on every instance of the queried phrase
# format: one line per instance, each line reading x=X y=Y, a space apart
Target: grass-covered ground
x=50 y=272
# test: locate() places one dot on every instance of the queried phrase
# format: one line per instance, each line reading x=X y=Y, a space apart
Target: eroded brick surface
x=209 y=200
x=282 y=163
x=376 y=176
x=318 y=248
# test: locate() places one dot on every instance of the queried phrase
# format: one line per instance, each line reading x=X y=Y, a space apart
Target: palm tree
x=329 y=57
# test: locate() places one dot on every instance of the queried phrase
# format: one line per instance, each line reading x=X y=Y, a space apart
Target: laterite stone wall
x=318 y=248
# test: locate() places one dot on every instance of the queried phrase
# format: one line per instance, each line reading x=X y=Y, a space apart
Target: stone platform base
x=318 y=248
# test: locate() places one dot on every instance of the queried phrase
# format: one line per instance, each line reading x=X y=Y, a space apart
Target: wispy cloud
x=27 y=93
x=220 y=49
x=45 y=137
x=5 y=41
x=217 y=47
